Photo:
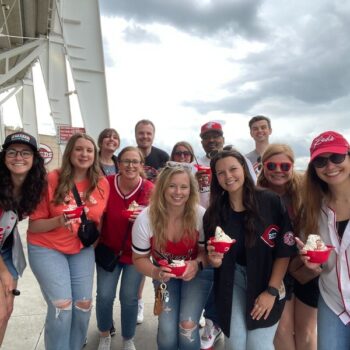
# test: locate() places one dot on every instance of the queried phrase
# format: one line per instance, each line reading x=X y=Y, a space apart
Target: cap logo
x=210 y=125
x=322 y=140
x=21 y=137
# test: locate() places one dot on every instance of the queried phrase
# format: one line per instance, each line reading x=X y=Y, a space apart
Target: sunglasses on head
x=284 y=166
x=182 y=166
x=184 y=153
x=335 y=158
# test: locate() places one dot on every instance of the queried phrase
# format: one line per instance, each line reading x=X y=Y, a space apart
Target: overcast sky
x=182 y=63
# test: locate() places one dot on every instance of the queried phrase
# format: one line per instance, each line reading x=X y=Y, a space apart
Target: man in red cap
x=212 y=140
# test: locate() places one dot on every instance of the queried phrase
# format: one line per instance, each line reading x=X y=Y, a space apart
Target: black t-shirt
x=155 y=161
x=236 y=224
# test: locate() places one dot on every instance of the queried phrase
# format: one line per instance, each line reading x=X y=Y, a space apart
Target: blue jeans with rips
x=332 y=333
x=241 y=338
x=64 y=279
x=185 y=305
x=106 y=290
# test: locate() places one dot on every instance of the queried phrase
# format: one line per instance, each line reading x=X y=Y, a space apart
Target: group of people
x=251 y=293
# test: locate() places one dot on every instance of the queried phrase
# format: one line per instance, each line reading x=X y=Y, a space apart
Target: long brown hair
x=314 y=191
x=158 y=206
x=66 y=173
x=293 y=187
x=184 y=144
x=219 y=204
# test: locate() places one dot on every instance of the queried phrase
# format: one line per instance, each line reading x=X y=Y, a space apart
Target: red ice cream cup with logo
x=176 y=270
x=73 y=213
x=219 y=246
x=319 y=256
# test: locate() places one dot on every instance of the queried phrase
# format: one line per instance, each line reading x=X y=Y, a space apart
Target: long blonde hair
x=158 y=207
x=293 y=187
x=66 y=173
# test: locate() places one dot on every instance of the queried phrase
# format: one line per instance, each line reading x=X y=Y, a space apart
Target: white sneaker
x=105 y=343
x=140 y=308
x=128 y=344
x=209 y=334
x=202 y=320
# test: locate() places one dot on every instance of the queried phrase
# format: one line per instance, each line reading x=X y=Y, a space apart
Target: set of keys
x=164 y=293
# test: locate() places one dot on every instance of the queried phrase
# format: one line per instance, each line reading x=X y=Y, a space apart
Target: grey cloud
x=136 y=34
x=310 y=67
x=228 y=17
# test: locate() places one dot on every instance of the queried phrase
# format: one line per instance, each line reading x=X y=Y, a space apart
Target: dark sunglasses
x=335 y=158
x=284 y=166
x=184 y=153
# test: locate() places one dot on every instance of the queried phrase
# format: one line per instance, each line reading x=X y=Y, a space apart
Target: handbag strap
x=79 y=203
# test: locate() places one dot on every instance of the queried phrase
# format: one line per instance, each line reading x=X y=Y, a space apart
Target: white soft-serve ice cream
x=177 y=263
x=133 y=205
x=314 y=242
x=221 y=236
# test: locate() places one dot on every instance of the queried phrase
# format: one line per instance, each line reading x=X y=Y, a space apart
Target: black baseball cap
x=20 y=137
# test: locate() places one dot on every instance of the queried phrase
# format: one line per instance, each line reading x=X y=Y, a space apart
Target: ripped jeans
x=178 y=323
x=66 y=283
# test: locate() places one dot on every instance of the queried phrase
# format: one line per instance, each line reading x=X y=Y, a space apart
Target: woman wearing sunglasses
x=326 y=211
x=171 y=227
x=23 y=180
x=297 y=327
x=182 y=152
x=249 y=292
x=127 y=187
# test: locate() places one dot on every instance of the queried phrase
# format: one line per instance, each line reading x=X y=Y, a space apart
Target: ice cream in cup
x=177 y=267
x=73 y=212
x=133 y=208
x=317 y=250
x=221 y=241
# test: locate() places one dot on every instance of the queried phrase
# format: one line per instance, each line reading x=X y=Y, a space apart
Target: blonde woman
x=63 y=267
x=297 y=327
x=172 y=227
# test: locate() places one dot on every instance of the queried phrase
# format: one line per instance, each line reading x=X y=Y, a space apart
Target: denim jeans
x=106 y=291
x=210 y=308
x=6 y=255
x=241 y=338
x=332 y=333
x=186 y=302
x=64 y=278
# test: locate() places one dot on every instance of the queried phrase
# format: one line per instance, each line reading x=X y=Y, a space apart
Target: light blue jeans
x=106 y=291
x=332 y=333
x=241 y=338
x=64 y=278
x=186 y=302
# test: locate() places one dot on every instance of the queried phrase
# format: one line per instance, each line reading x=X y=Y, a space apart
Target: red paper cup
x=73 y=213
x=176 y=270
x=319 y=256
x=127 y=213
x=220 y=247
x=203 y=168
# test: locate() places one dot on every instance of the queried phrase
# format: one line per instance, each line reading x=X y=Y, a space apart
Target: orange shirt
x=65 y=239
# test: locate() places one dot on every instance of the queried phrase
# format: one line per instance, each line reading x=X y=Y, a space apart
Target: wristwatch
x=272 y=291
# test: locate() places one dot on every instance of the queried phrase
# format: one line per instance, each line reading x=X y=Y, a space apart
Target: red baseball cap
x=211 y=126
x=329 y=142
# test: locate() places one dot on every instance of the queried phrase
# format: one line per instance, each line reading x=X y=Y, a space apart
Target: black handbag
x=105 y=256
x=87 y=232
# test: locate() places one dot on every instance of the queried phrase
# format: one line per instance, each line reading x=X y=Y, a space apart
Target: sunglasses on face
x=284 y=166
x=184 y=153
x=335 y=158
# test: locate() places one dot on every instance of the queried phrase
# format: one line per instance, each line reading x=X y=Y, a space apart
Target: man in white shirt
x=260 y=131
